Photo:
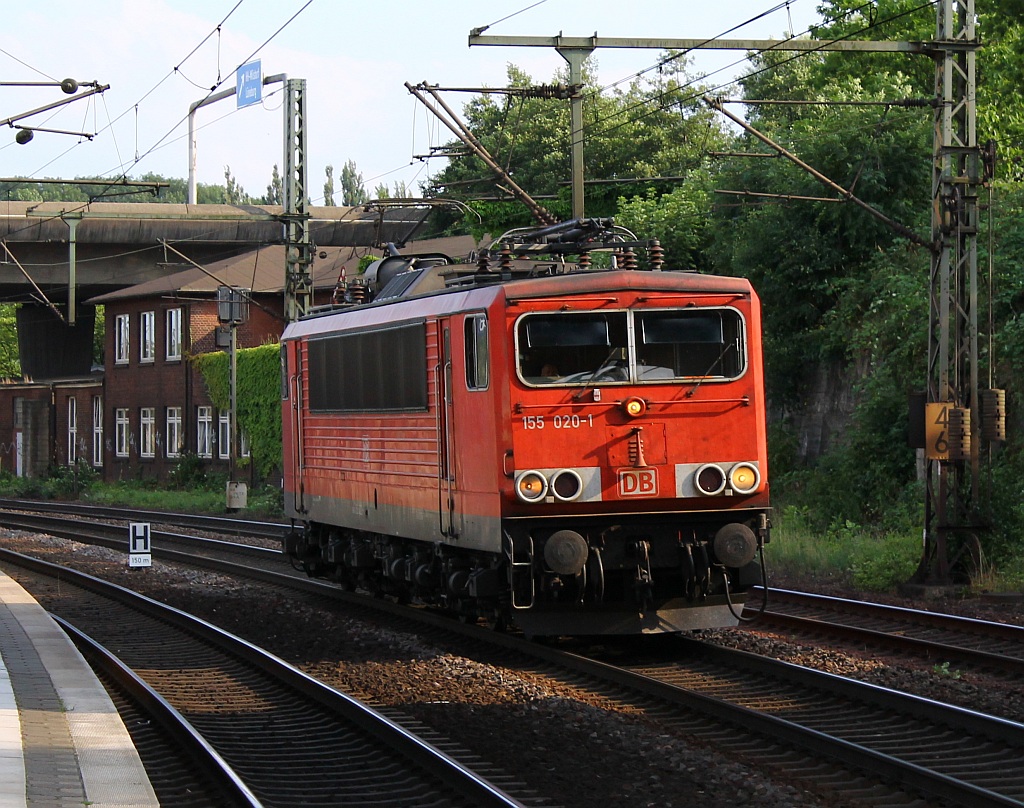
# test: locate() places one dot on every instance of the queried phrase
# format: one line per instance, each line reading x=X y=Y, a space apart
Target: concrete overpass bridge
x=50 y=248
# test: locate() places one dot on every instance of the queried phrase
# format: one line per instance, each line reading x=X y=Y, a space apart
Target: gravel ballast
x=571 y=746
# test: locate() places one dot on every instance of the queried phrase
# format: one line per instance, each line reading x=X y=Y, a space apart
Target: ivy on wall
x=258 y=406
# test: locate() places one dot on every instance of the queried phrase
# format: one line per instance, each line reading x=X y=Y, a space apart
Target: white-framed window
x=97 y=431
x=72 y=431
x=173 y=334
x=147 y=432
x=224 y=435
x=204 y=431
x=477 y=359
x=173 y=444
x=147 y=336
x=243 y=444
x=122 y=330
x=122 y=431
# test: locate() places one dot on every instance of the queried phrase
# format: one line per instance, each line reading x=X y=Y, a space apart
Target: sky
x=160 y=56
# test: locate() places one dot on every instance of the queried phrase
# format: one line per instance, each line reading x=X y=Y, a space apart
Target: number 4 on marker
x=937 y=438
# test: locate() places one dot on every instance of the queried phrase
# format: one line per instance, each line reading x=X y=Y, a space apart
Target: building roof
x=263 y=270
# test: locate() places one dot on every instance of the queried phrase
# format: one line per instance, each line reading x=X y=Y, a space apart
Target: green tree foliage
x=258 y=398
x=177 y=192
x=880 y=327
x=234 y=193
x=840 y=288
x=804 y=256
x=680 y=220
x=352 y=190
x=400 y=191
x=10 y=365
x=1007 y=357
x=1000 y=77
x=651 y=129
x=329 y=185
x=106 y=190
x=275 y=191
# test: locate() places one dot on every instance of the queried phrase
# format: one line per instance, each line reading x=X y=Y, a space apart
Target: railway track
x=185 y=771
x=933 y=636
x=227 y=525
x=941 y=638
x=947 y=752
x=290 y=739
x=880 y=746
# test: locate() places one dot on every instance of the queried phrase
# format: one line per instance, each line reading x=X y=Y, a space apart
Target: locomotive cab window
x=690 y=343
x=572 y=348
x=477 y=358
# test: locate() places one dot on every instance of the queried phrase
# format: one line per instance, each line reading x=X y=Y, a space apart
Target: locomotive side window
x=690 y=344
x=369 y=370
x=284 y=372
x=573 y=347
x=477 y=357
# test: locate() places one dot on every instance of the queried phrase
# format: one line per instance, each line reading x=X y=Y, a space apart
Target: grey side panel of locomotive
x=476 y=533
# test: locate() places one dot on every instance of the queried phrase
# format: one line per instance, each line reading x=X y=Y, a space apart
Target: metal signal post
x=952 y=496
x=298 y=292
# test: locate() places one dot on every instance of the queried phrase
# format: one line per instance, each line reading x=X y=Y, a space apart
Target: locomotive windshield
x=571 y=348
x=688 y=344
x=549 y=331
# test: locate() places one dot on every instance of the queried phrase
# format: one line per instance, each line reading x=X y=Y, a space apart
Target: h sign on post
x=249 y=84
x=139 y=547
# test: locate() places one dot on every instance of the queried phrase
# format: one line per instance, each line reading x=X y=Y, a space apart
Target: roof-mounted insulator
x=505 y=262
x=629 y=259
x=584 y=262
x=357 y=292
x=483 y=263
x=657 y=255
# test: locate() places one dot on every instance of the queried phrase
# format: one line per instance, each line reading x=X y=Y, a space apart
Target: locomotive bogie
x=573 y=454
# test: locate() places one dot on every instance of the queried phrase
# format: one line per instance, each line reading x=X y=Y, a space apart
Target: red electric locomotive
x=570 y=449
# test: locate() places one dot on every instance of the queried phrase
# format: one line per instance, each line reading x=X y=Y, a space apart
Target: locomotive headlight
x=566 y=485
x=744 y=478
x=709 y=480
x=634 y=407
x=531 y=486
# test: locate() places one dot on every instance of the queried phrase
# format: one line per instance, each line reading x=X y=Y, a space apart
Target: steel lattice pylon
x=954 y=444
x=298 y=249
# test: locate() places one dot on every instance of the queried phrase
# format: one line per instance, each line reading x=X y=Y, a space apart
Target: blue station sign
x=249 y=84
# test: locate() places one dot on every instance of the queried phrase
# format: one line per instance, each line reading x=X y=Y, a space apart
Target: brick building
x=35 y=413
x=156 y=406
x=149 y=407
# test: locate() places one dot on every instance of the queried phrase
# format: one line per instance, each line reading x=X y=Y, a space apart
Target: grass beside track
x=863 y=559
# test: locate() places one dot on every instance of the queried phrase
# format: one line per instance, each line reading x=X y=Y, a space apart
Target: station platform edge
x=62 y=741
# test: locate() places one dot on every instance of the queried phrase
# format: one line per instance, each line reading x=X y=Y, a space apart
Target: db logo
x=638 y=483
